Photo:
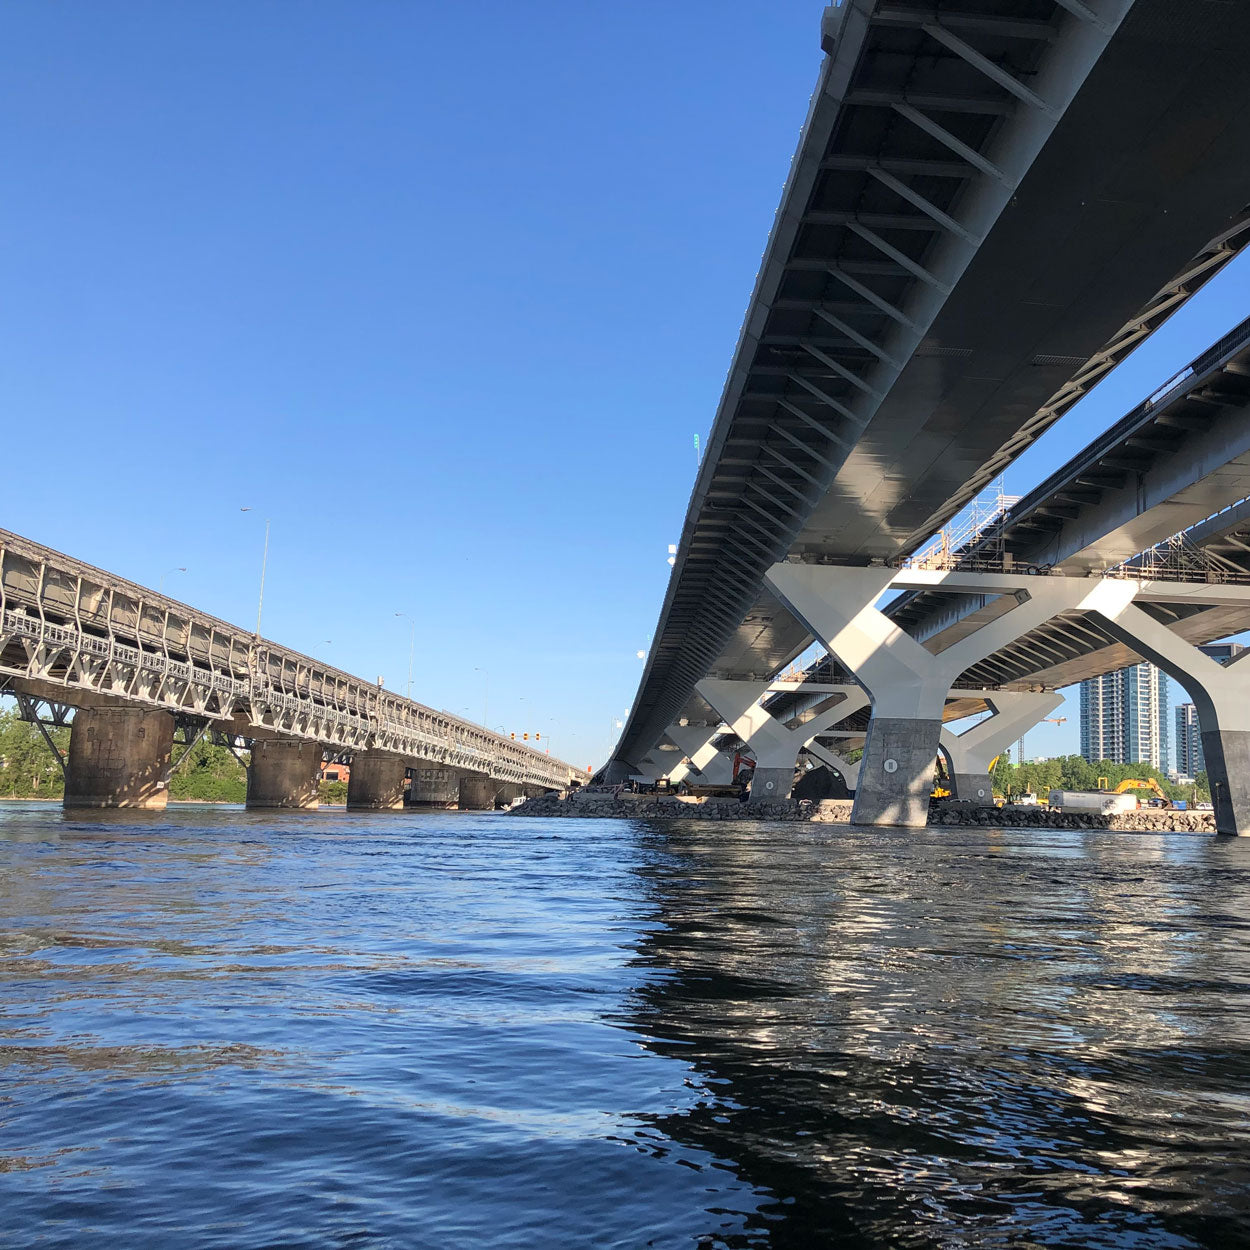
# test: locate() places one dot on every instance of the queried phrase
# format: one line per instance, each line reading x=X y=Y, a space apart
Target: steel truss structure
x=71 y=633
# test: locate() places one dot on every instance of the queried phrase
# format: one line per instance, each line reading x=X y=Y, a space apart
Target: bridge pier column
x=376 y=782
x=119 y=757
x=1221 y=693
x=975 y=787
x=284 y=773
x=477 y=792
x=908 y=683
x=775 y=746
x=434 y=786
x=970 y=754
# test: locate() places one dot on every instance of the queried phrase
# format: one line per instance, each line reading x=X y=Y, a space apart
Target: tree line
x=1074 y=772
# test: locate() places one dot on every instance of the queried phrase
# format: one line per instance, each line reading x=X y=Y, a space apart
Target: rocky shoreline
x=601 y=803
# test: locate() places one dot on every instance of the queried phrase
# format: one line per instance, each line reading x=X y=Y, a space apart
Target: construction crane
x=1046 y=720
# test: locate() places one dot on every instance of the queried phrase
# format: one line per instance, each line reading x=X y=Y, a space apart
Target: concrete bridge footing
x=478 y=792
x=376 y=783
x=284 y=774
x=973 y=787
x=119 y=757
x=434 y=787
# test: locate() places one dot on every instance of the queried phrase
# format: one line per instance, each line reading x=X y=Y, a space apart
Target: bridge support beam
x=1221 y=693
x=617 y=772
x=649 y=768
x=775 y=746
x=119 y=757
x=908 y=684
x=831 y=759
x=970 y=754
x=376 y=782
x=706 y=765
x=284 y=773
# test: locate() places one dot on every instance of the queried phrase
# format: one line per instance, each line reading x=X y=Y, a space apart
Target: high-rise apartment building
x=1124 y=717
x=1189 y=757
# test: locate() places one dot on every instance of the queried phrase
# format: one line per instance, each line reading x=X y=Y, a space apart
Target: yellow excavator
x=1136 y=783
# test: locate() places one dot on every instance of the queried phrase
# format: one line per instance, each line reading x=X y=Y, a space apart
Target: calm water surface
x=221 y=1029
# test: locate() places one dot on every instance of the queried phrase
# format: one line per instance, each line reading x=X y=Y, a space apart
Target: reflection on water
x=960 y=1038
x=230 y=1029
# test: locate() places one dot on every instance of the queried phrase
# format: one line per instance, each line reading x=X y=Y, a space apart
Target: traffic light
x=537 y=737
x=514 y=737
x=525 y=737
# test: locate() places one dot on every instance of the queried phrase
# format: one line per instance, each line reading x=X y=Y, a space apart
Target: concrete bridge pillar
x=477 y=792
x=434 y=786
x=284 y=773
x=836 y=763
x=698 y=751
x=775 y=746
x=376 y=782
x=970 y=754
x=908 y=683
x=119 y=757
x=1221 y=692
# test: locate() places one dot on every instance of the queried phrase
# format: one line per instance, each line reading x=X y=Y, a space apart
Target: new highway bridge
x=131 y=669
x=990 y=206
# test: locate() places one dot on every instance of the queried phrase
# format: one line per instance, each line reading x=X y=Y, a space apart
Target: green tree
x=332 y=792
x=211 y=774
x=27 y=767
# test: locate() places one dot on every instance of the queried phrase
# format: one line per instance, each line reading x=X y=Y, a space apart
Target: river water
x=223 y=1029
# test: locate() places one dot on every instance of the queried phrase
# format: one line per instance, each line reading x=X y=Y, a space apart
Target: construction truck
x=1125 y=797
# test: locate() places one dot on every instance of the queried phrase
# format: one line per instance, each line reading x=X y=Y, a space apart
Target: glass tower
x=1190 y=759
x=1124 y=717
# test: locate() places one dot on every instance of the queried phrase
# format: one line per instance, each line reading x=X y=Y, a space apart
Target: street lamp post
x=412 y=644
x=264 y=563
x=485 y=693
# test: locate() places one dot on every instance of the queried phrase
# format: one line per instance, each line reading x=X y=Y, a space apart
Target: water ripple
x=222 y=1029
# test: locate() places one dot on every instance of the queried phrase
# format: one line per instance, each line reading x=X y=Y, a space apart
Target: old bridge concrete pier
x=119 y=757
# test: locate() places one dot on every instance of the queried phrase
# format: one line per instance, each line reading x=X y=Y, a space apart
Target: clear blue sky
x=444 y=290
